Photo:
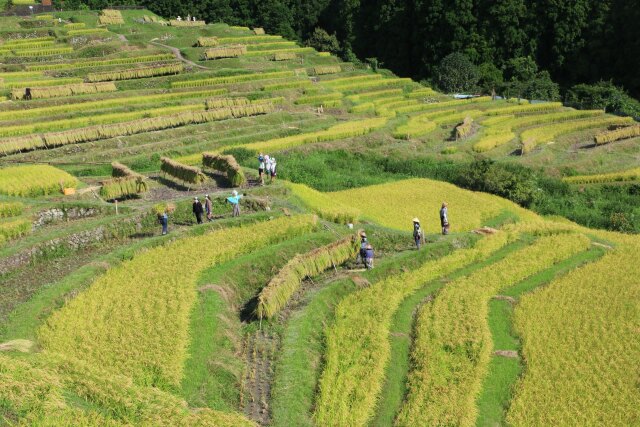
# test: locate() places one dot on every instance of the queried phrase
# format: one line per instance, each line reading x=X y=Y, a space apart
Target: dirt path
x=260 y=352
x=178 y=54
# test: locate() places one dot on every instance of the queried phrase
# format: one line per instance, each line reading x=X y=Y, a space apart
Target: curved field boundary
x=503 y=373
x=582 y=329
x=397 y=369
x=452 y=347
x=300 y=364
x=357 y=344
x=135 y=319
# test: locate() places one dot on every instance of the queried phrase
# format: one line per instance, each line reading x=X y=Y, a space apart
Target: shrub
x=322 y=41
x=456 y=73
x=603 y=95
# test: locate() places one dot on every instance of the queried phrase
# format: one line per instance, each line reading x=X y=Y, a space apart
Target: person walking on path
x=261 y=168
x=362 y=254
x=208 y=207
x=273 y=169
x=369 y=257
x=235 y=202
x=197 y=210
x=164 y=220
x=444 y=219
x=418 y=234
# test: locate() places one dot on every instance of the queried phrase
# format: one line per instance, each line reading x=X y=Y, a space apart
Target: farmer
x=273 y=169
x=197 y=210
x=267 y=165
x=418 y=234
x=261 y=168
x=208 y=207
x=164 y=220
x=369 y=257
x=444 y=220
x=235 y=202
x=362 y=254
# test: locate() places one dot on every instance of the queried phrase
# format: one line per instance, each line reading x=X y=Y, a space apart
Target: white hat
x=416 y=220
x=235 y=193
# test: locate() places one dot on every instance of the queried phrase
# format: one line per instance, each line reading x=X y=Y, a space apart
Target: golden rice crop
x=270 y=52
x=28 y=40
x=176 y=23
x=443 y=105
x=320 y=99
x=259 y=31
x=226 y=164
x=225 y=52
x=105 y=103
x=245 y=40
x=154 y=123
x=323 y=205
x=357 y=343
x=395 y=204
x=617 y=134
x=365 y=107
x=99 y=63
x=34 y=180
x=288 y=84
x=368 y=96
x=491 y=141
x=21 y=45
x=87 y=31
x=184 y=173
x=324 y=54
x=21 y=84
x=232 y=79
x=110 y=17
x=14 y=228
x=341 y=131
x=464 y=130
x=118 y=170
x=453 y=342
x=57 y=125
x=134 y=320
x=320 y=70
x=276 y=45
x=627 y=175
x=213 y=103
x=528 y=108
x=21 y=143
x=583 y=328
x=126 y=186
x=546 y=134
x=276 y=294
x=67 y=90
x=36 y=389
x=417 y=126
x=422 y=93
x=9 y=209
x=207 y=41
x=21 y=75
x=137 y=73
x=49 y=51
x=283 y=56
x=75 y=25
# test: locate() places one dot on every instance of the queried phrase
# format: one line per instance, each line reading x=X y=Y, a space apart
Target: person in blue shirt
x=369 y=257
x=235 y=202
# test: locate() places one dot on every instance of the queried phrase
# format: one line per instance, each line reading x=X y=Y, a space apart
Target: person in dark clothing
x=444 y=219
x=418 y=234
x=198 y=210
x=362 y=254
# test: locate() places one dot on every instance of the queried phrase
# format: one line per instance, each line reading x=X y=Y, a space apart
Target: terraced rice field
x=270 y=317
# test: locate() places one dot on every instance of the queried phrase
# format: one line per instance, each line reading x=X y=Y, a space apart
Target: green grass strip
x=299 y=366
x=497 y=387
x=394 y=388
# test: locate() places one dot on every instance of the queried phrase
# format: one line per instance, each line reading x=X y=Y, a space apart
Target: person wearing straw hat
x=208 y=207
x=362 y=253
x=444 y=219
x=418 y=234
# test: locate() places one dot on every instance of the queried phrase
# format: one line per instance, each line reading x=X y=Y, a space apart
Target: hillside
x=111 y=119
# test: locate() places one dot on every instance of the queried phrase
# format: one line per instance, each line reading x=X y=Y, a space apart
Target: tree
x=489 y=77
x=456 y=73
x=323 y=41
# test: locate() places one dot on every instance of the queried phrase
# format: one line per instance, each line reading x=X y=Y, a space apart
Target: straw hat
x=416 y=220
